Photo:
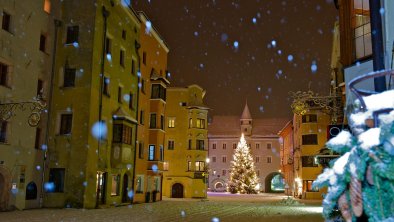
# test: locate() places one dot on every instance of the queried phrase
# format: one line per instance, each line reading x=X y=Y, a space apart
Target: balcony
x=155 y=166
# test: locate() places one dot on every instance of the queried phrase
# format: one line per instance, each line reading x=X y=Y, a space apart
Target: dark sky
x=203 y=35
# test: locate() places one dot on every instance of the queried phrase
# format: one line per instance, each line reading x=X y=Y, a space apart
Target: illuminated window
x=200 y=123
x=151 y=152
x=47 y=6
x=171 y=122
x=309 y=188
x=165 y=165
x=115 y=185
x=200 y=166
x=362 y=28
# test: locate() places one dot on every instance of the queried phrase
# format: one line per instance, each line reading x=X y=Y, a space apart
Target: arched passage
x=31 y=191
x=177 y=190
x=218 y=185
x=274 y=183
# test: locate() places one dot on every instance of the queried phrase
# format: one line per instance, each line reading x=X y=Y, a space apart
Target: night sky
x=257 y=50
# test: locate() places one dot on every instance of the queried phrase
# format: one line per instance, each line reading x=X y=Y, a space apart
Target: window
x=121 y=57
x=56 y=180
x=162 y=122
x=156 y=184
x=151 y=152
x=224 y=159
x=214 y=146
x=190 y=144
x=3 y=131
x=152 y=123
x=40 y=88
x=165 y=165
x=38 y=138
x=115 y=184
x=200 y=144
x=269 y=159
x=124 y=34
x=161 y=153
x=158 y=92
x=122 y=134
x=3 y=74
x=144 y=58
x=65 y=123
x=171 y=122
x=310 y=118
x=133 y=66
x=6 y=25
x=106 y=86
x=119 y=94
x=141 y=150
x=31 y=191
x=257 y=158
x=108 y=46
x=69 y=77
x=189 y=165
x=269 y=146
x=43 y=40
x=308 y=161
x=214 y=159
x=234 y=146
x=200 y=165
x=72 y=34
x=361 y=26
x=310 y=139
x=131 y=101
x=309 y=187
x=223 y=172
x=257 y=145
x=171 y=144
x=142 y=113
x=190 y=122
x=258 y=173
x=142 y=85
x=140 y=184
x=47 y=6
x=224 y=146
x=200 y=123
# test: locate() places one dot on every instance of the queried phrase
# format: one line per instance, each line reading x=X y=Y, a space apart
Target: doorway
x=125 y=193
x=177 y=191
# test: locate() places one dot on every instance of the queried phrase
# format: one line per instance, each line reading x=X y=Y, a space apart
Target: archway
x=177 y=190
x=219 y=185
x=125 y=189
x=274 y=183
x=31 y=191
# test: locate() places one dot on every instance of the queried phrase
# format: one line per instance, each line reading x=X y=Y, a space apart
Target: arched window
x=31 y=191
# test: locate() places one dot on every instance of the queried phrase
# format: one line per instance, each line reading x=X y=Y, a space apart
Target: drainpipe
x=137 y=47
x=105 y=14
x=377 y=44
x=57 y=24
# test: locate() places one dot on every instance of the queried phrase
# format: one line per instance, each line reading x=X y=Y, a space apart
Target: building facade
x=224 y=133
x=286 y=140
x=26 y=57
x=186 y=143
x=152 y=101
x=92 y=130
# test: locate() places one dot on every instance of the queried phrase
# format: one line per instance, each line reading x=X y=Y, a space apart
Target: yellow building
x=287 y=157
x=92 y=129
x=186 y=143
x=26 y=52
x=310 y=136
x=151 y=105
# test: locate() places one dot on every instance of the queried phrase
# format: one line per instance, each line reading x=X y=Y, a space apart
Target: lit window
x=165 y=165
x=362 y=28
x=115 y=185
x=47 y=6
x=151 y=152
x=171 y=122
x=200 y=165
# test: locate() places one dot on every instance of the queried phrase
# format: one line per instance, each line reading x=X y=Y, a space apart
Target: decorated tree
x=243 y=177
x=361 y=182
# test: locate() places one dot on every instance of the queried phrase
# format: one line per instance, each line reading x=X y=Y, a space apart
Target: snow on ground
x=224 y=207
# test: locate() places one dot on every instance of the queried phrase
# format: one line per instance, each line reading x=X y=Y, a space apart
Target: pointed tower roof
x=246 y=112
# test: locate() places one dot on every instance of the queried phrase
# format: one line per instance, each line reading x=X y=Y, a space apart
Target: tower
x=246 y=121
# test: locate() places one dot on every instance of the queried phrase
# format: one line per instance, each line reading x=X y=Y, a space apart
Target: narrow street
x=218 y=207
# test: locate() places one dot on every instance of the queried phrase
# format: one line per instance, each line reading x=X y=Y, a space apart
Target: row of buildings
x=362 y=43
x=87 y=114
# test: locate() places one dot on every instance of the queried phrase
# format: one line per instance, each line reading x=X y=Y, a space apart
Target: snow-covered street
x=218 y=207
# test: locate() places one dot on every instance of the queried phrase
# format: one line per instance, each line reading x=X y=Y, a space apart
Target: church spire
x=246 y=113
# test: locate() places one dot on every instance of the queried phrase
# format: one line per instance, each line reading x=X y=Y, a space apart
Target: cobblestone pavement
x=218 y=207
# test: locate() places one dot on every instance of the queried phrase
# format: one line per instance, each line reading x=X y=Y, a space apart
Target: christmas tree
x=361 y=182
x=243 y=177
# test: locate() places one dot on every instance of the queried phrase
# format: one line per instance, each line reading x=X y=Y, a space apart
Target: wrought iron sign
x=8 y=110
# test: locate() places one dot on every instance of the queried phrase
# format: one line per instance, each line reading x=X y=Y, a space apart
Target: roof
x=246 y=113
x=229 y=126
